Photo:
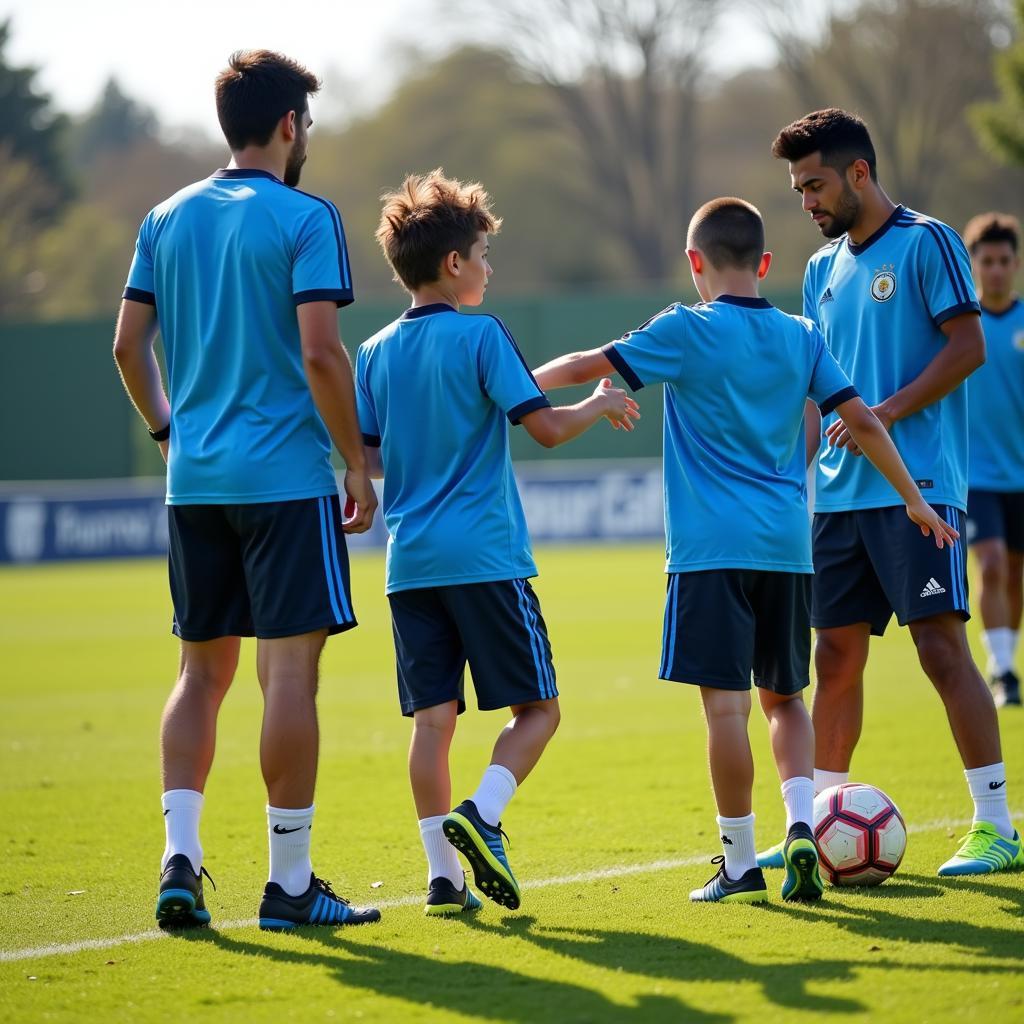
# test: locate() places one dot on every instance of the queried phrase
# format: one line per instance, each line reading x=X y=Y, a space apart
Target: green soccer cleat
x=443 y=899
x=773 y=857
x=481 y=845
x=800 y=854
x=180 y=903
x=748 y=888
x=983 y=850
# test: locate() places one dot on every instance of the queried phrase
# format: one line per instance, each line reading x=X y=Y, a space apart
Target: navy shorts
x=269 y=570
x=496 y=627
x=722 y=625
x=871 y=563
x=996 y=515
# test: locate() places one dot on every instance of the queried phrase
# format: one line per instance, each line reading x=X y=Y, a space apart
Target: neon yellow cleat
x=983 y=850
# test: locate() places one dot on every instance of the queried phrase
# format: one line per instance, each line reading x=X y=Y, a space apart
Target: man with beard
x=892 y=293
x=243 y=275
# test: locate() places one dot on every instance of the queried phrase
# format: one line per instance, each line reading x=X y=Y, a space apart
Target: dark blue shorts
x=269 y=570
x=874 y=562
x=722 y=625
x=496 y=627
x=996 y=515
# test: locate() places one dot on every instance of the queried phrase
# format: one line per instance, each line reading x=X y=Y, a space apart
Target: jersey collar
x=856 y=250
x=1009 y=309
x=747 y=301
x=244 y=172
x=433 y=307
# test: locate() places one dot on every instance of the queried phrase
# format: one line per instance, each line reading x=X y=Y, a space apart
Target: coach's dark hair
x=992 y=227
x=840 y=137
x=257 y=89
x=426 y=219
x=729 y=232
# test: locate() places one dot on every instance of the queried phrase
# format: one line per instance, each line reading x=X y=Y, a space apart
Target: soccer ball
x=860 y=833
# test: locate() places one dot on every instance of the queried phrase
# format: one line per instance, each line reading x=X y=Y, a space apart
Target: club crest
x=1018 y=341
x=883 y=284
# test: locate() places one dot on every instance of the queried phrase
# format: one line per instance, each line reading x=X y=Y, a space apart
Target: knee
x=993 y=573
x=941 y=653
x=208 y=681
x=546 y=712
x=837 y=665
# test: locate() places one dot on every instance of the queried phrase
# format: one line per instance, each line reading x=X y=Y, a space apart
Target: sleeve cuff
x=524 y=408
x=371 y=440
x=138 y=295
x=957 y=310
x=838 y=398
x=339 y=296
x=622 y=368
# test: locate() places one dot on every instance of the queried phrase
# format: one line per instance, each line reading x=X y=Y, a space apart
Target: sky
x=167 y=54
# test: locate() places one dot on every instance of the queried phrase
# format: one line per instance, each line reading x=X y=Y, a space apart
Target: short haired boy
x=737 y=373
x=436 y=391
x=995 y=425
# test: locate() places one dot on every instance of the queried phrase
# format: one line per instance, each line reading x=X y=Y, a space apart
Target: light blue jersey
x=737 y=374
x=437 y=390
x=995 y=404
x=880 y=305
x=226 y=261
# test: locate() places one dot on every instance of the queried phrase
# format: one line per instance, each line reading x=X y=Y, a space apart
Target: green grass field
x=609 y=835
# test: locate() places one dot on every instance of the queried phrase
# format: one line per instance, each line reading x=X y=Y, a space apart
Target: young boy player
x=737 y=373
x=436 y=391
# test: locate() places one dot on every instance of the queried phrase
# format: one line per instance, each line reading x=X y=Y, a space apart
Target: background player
x=243 y=275
x=437 y=390
x=892 y=294
x=737 y=373
x=995 y=468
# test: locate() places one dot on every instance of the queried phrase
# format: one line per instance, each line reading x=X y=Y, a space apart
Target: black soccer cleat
x=319 y=904
x=748 y=888
x=800 y=854
x=179 y=902
x=1006 y=689
x=444 y=899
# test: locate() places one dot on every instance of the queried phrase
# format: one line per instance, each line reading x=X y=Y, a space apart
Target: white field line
x=619 y=871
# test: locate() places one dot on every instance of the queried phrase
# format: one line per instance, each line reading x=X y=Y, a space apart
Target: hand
x=932 y=524
x=620 y=409
x=361 y=503
x=839 y=435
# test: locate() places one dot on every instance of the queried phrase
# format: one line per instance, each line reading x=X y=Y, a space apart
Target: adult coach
x=243 y=275
x=891 y=291
x=995 y=473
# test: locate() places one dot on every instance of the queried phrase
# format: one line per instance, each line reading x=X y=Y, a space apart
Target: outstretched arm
x=574 y=368
x=874 y=440
x=552 y=427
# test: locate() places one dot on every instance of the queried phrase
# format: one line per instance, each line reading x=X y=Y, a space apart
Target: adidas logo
x=932 y=588
x=827 y=297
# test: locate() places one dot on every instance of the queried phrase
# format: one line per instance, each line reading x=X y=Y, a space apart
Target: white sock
x=798 y=796
x=988 y=791
x=442 y=861
x=182 y=808
x=999 y=645
x=496 y=788
x=738 y=845
x=289 y=832
x=826 y=780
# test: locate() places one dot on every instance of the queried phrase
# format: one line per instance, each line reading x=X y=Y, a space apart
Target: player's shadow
x=458 y=986
x=987 y=886
x=677 y=959
x=872 y=916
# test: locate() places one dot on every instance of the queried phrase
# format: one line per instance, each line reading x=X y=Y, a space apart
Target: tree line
x=595 y=125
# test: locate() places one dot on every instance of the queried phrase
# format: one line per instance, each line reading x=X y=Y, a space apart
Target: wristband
x=161 y=435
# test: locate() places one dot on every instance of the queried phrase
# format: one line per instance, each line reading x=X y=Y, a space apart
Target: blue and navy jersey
x=737 y=374
x=881 y=305
x=437 y=390
x=226 y=261
x=995 y=404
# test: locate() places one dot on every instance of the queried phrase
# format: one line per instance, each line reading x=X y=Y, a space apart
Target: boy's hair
x=840 y=137
x=426 y=219
x=257 y=89
x=729 y=232
x=992 y=227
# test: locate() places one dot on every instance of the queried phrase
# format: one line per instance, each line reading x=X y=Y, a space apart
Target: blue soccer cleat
x=748 y=888
x=983 y=850
x=773 y=857
x=179 y=902
x=318 y=905
x=481 y=845
x=800 y=854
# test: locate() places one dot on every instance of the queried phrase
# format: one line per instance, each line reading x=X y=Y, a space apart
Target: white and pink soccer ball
x=860 y=833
